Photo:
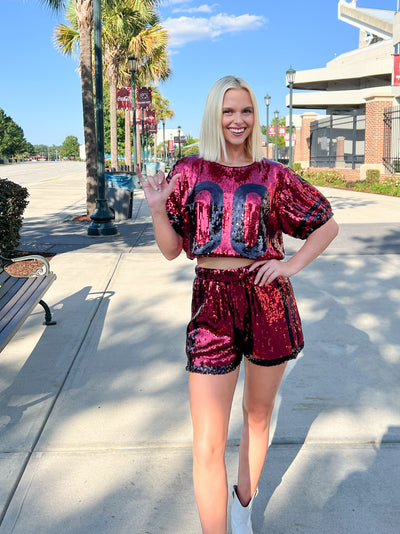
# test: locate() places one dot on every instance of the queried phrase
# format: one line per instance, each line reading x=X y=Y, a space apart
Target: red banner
x=152 y=128
x=396 y=69
x=170 y=145
x=272 y=130
x=287 y=137
x=150 y=116
x=144 y=97
x=124 y=98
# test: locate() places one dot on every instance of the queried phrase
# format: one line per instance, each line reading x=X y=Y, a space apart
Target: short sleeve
x=175 y=202
x=303 y=208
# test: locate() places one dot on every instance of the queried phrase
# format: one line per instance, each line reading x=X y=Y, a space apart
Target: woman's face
x=237 y=117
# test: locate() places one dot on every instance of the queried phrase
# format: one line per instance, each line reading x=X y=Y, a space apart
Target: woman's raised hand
x=156 y=188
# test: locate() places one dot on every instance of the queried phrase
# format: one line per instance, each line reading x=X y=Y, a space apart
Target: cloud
x=183 y=30
x=205 y=8
x=166 y=3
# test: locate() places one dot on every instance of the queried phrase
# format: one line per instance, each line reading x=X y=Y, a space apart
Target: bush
x=12 y=205
x=296 y=167
x=392 y=181
x=323 y=177
x=372 y=177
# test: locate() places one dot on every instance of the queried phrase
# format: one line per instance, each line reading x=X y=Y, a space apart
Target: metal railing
x=391 y=139
x=338 y=141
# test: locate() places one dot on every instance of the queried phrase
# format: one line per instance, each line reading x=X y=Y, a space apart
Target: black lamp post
x=276 y=114
x=132 y=63
x=267 y=100
x=102 y=216
x=290 y=76
x=164 y=150
x=179 y=142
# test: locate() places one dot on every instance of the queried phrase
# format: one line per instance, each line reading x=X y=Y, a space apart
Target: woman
x=228 y=208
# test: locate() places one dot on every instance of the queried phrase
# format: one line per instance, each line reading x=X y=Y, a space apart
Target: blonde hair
x=212 y=142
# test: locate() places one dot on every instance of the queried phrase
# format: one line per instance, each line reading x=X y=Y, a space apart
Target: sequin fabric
x=242 y=211
x=232 y=318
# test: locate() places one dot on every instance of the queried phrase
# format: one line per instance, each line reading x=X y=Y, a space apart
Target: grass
x=389 y=186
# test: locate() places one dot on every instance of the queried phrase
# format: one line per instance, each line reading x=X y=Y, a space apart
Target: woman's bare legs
x=260 y=389
x=210 y=403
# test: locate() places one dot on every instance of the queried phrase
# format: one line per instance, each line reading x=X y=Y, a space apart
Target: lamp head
x=290 y=76
x=132 y=63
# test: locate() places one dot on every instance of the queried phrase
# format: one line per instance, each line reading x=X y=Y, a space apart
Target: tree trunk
x=84 y=11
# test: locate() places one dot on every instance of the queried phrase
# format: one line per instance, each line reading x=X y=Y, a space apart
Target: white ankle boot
x=241 y=515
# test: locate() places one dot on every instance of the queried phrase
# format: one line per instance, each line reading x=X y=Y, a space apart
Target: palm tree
x=132 y=27
x=68 y=39
x=163 y=112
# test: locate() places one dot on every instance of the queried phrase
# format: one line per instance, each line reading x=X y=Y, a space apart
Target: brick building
x=357 y=92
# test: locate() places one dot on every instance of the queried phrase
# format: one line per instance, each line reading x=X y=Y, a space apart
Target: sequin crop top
x=242 y=211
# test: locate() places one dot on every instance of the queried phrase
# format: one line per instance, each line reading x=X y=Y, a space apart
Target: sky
x=256 y=40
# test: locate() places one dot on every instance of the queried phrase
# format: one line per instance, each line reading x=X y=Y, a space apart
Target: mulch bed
x=23 y=269
x=82 y=218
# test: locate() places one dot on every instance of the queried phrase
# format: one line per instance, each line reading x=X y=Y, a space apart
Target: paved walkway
x=95 y=430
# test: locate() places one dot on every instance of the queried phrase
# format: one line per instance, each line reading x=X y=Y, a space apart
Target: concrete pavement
x=95 y=430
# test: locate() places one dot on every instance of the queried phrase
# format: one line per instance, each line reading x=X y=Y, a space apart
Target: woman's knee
x=257 y=416
x=207 y=453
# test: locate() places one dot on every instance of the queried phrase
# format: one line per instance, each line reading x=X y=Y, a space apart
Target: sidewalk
x=95 y=432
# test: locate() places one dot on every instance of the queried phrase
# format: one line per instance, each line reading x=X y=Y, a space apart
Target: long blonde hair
x=212 y=142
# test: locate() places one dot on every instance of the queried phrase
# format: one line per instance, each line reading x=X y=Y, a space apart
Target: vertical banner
x=150 y=116
x=396 y=70
x=144 y=97
x=124 y=98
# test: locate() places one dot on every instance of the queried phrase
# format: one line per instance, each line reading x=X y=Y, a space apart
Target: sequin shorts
x=232 y=317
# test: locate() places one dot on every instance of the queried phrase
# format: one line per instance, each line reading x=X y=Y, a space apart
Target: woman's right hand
x=157 y=189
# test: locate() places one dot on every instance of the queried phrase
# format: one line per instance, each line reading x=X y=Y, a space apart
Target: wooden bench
x=21 y=292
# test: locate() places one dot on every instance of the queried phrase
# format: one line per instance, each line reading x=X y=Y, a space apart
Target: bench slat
x=24 y=295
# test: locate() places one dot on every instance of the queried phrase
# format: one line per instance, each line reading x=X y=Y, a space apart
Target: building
x=358 y=92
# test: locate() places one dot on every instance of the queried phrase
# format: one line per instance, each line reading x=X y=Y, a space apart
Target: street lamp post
x=267 y=100
x=132 y=62
x=276 y=114
x=164 y=151
x=102 y=216
x=290 y=76
x=179 y=142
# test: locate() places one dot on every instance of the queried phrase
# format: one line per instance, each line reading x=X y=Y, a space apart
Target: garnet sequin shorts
x=232 y=317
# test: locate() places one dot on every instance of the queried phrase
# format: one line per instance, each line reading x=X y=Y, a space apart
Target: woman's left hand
x=268 y=270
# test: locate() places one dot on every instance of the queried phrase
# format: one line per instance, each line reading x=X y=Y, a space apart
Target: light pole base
x=102 y=218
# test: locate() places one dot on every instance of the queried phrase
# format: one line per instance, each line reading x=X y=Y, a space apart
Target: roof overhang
x=374 y=21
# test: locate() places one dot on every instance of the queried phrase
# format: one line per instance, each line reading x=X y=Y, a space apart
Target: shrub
x=323 y=177
x=393 y=181
x=297 y=167
x=12 y=205
x=372 y=177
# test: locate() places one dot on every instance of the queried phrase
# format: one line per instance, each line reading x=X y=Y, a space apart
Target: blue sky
x=257 y=40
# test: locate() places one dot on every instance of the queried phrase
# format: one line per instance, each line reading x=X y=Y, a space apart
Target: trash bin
x=119 y=194
x=153 y=166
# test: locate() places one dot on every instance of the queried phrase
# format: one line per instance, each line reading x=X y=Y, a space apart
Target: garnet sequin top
x=242 y=211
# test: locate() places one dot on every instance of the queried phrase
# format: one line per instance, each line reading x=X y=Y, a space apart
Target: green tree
x=281 y=138
x=12 y=140
x=70 y=147
x=132 y=27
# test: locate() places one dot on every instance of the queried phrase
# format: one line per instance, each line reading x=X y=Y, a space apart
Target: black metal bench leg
x=48 y=316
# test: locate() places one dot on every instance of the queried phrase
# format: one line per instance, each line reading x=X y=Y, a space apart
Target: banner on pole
x=396 y=70
x=144 y=97
x=124 y=98
x=150 y=116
